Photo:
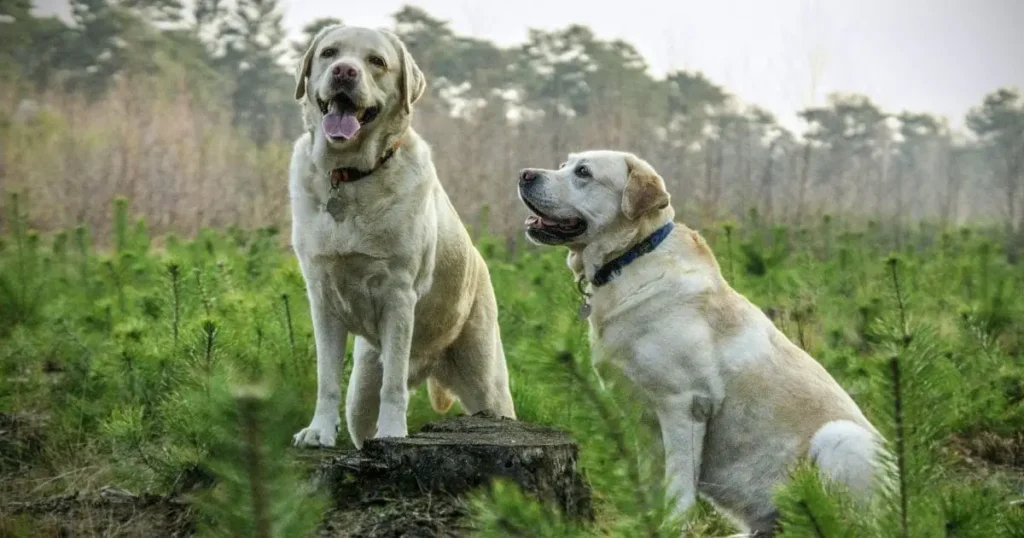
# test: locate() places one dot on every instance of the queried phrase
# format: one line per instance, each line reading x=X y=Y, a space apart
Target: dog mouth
x=552 y=230
x=343 y=118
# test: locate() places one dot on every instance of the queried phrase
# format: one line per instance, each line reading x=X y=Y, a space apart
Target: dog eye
x=329 y=52
x=582 y=171
x=561 y=166
x=378 y=61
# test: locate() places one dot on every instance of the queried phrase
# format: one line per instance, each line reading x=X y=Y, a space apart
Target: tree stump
x=412 y=486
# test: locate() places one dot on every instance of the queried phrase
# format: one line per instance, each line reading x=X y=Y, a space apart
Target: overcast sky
x=939 y=56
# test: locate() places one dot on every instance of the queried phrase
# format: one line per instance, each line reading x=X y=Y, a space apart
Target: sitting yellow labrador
x=737 y=402
x=384 y=255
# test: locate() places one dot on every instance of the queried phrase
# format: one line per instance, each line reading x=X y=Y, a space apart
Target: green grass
x=133 y=358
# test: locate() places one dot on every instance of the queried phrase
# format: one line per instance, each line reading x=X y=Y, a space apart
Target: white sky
x=937 y=56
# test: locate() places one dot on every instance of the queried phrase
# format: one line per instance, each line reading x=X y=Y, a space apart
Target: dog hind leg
x=474 y=368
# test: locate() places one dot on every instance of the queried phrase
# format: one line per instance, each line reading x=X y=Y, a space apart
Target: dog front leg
x=683 y=420
x=397 y=319
x=330 y=336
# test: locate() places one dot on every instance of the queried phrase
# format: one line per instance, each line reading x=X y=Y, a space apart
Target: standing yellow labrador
x=383 y=252
x=737 y=402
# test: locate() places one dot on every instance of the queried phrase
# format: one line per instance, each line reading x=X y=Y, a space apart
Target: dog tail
x=440 y=398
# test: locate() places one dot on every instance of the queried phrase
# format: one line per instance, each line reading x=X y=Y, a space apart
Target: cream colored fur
x=737 y=402
x=396 y=268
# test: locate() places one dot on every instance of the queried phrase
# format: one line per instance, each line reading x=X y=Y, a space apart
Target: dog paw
x=391 y=426
x=316 y=434
x=395 y=432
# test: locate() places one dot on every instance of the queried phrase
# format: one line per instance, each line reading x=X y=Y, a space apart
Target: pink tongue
x=340 y=125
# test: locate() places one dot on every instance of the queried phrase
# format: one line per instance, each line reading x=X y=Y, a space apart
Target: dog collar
x=348 y=175
x=613 y=268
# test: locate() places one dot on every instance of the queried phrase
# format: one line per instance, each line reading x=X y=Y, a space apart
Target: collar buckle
x=584 y=310
x=580 y=283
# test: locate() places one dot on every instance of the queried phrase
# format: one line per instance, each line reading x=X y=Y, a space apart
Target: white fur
x=846 y=452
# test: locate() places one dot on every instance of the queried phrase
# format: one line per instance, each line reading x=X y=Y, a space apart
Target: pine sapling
x=174 y=270
x=115 y=276
x=249 y=405
x=288 y=322
x=897 y=394
x=812 y=505
x=893 y=262
x=815 y=526
x=141 y=235
x=901 y=458
x=728 y=227
x=258 y=489
x=210 y=330
x=614 y=425
x=204 y=297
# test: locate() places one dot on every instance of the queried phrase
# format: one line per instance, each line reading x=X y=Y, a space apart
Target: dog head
x=595 y=196
x=354 y=81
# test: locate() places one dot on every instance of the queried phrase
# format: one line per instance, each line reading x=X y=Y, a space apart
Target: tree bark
x=413 y=486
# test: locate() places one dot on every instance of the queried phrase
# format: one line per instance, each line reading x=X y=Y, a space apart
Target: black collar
x=348 y=175
x=613 y=268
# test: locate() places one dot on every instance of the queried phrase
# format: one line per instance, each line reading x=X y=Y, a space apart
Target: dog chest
x=321 y=234
x=355 y=288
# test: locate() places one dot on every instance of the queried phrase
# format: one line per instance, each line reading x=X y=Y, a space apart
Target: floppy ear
x=412 y=83
x=306 y=63
x=645 y=189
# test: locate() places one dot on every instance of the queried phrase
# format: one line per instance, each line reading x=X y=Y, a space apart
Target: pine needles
x=169 y=371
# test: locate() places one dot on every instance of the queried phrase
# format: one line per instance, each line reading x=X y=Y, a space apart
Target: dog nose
x=345 y=71
x=527 y=175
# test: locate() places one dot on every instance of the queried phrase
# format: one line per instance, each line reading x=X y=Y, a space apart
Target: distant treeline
x=188 y=110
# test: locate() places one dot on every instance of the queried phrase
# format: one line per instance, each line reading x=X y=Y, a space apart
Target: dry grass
x=184 y=166
x=179 y=163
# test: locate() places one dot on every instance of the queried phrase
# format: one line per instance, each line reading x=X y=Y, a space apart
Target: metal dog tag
x=584 y=311
x=334 y=208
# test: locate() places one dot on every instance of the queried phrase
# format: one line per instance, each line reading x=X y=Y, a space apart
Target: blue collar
x=613 y=268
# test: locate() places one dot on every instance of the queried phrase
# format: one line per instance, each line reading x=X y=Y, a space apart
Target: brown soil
x=394 y=487
x=110 y=513
x=990 y=449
